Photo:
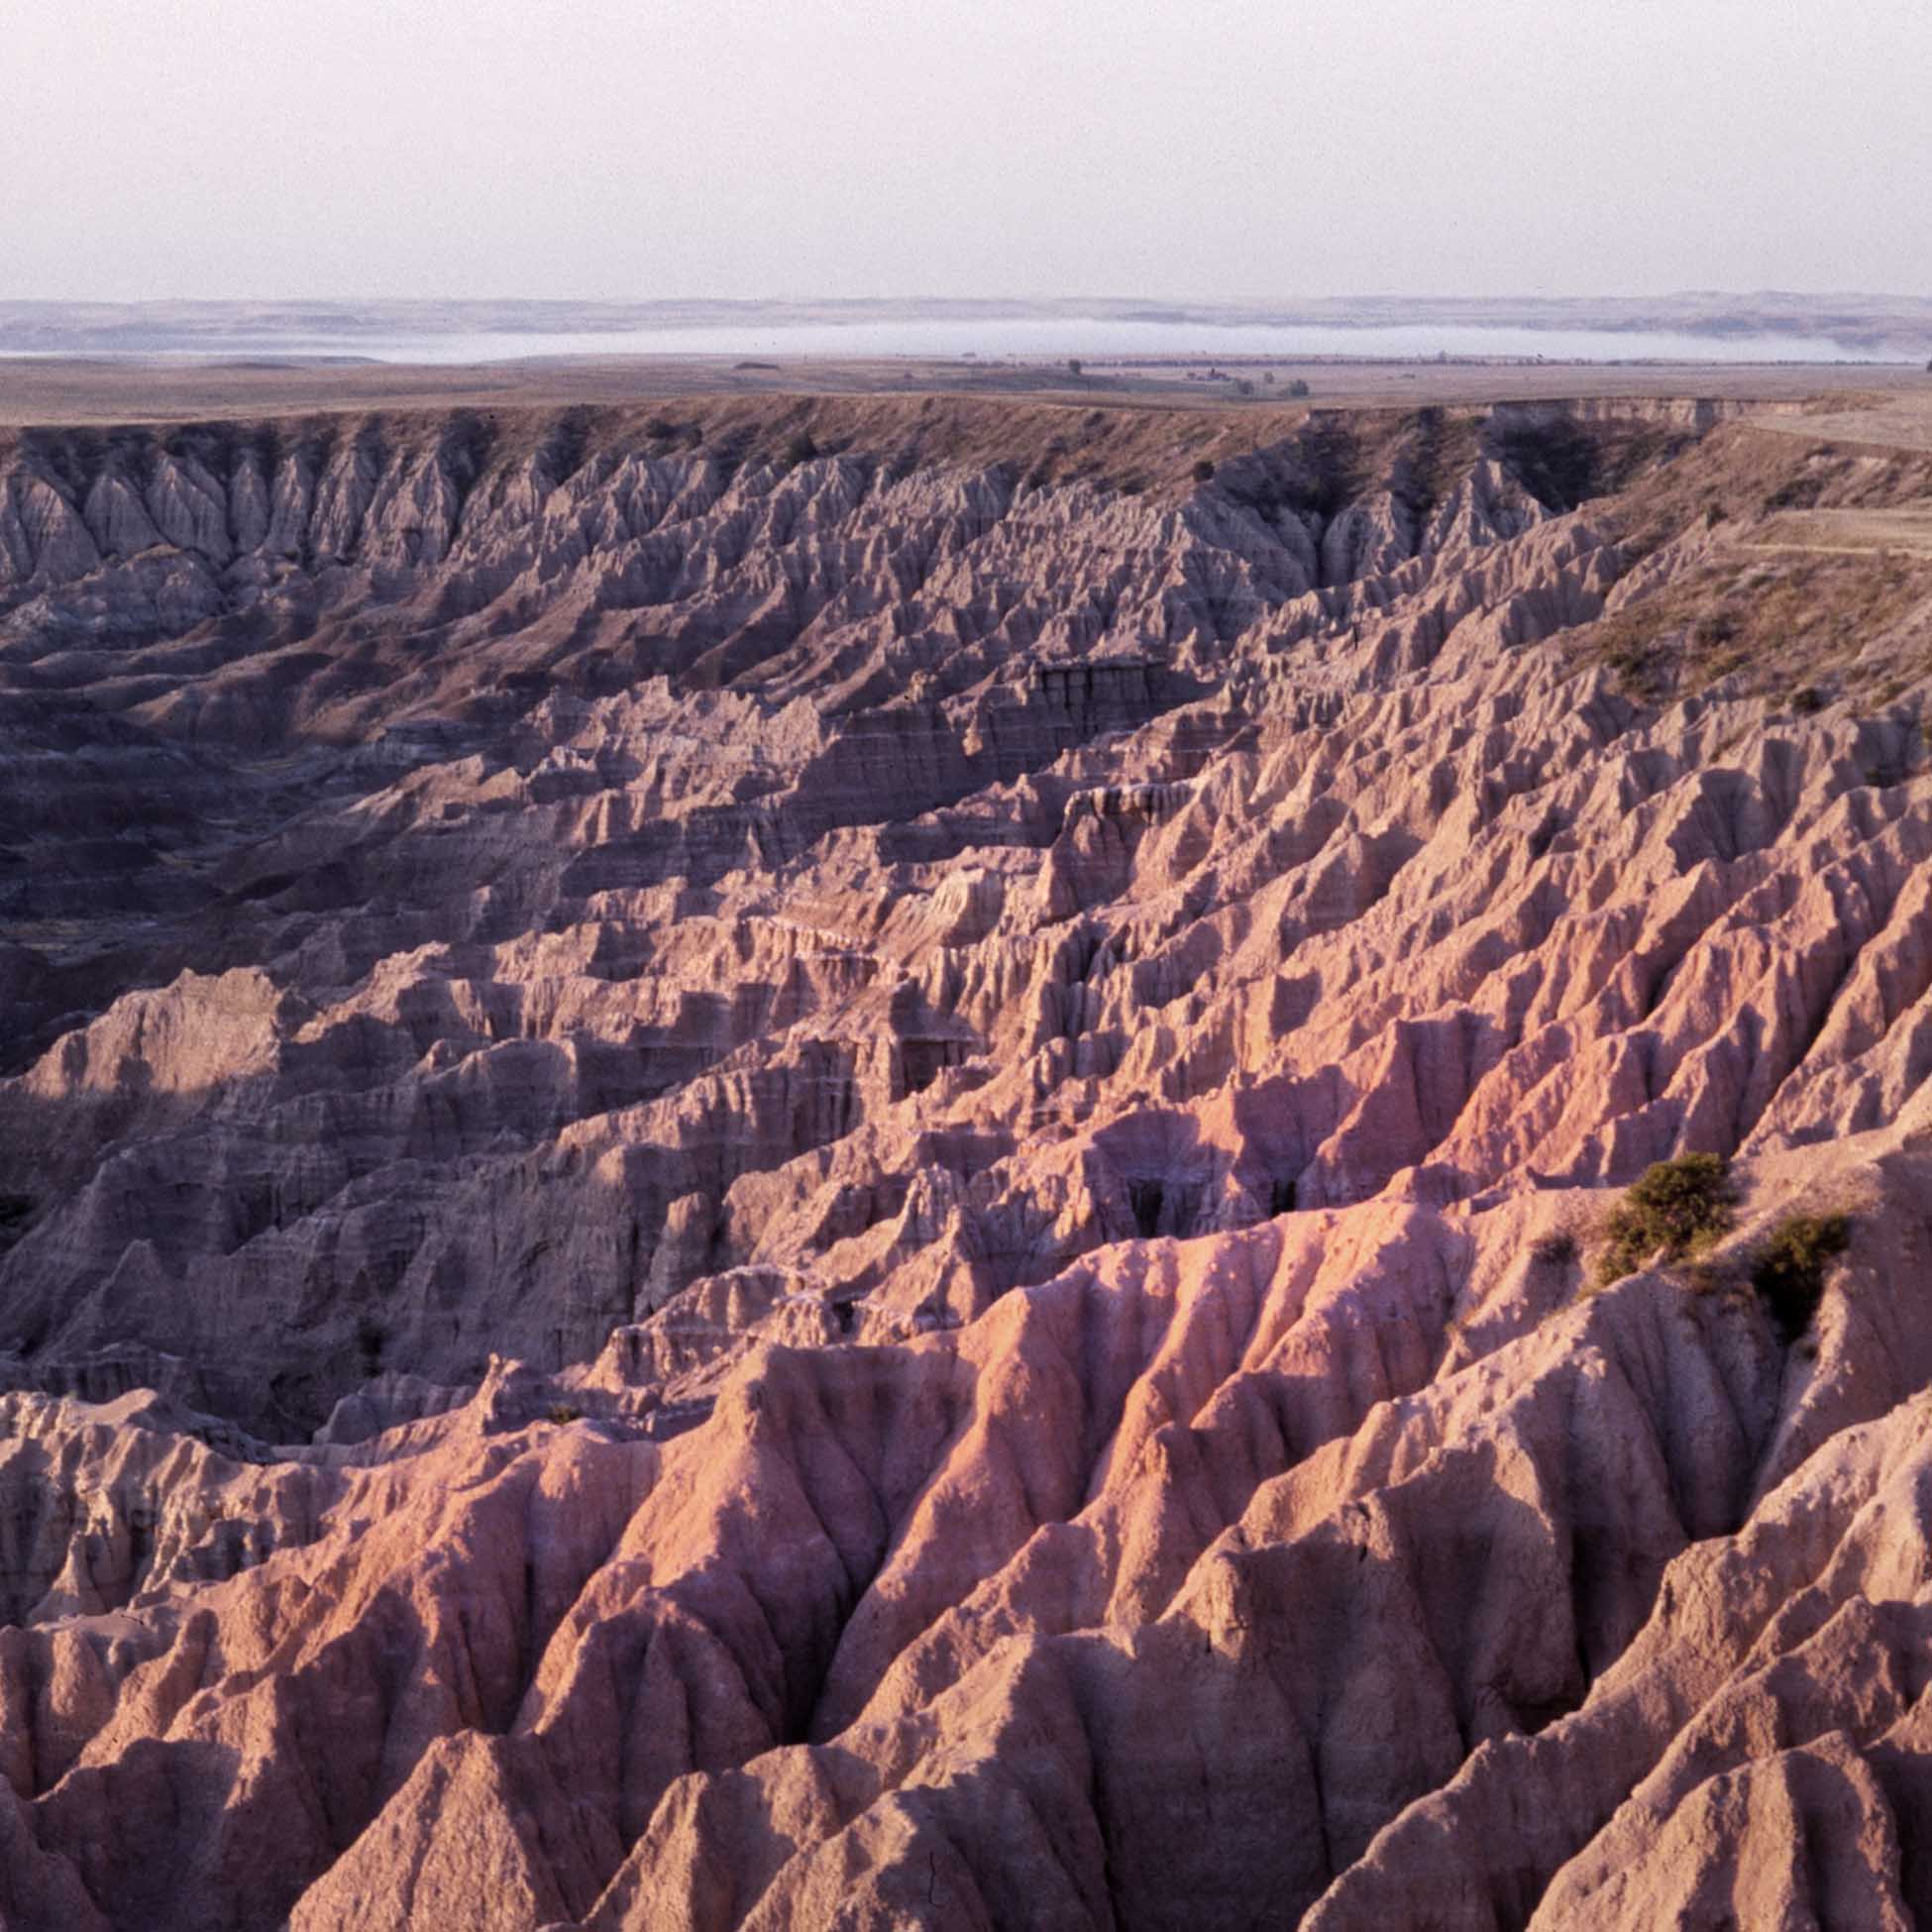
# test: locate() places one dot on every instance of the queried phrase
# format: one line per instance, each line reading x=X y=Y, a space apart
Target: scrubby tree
x=1788 y=1271
x=1674 y=1209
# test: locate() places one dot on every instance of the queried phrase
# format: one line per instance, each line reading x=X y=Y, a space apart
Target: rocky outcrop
x=839 y=1164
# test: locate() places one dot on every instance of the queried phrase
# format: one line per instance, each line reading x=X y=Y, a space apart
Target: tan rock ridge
x=838 y=1163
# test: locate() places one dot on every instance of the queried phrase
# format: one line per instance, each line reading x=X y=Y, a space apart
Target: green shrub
x=1203 y=471
x=372 y=1337
x=1678 y=1207
x=1800 y=493
x=1556 y=1250
x=16 y=1210
x=1788 y=1271
x=1298 y=386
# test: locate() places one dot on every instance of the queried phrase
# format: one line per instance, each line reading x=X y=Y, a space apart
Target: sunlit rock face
x=795 y=1163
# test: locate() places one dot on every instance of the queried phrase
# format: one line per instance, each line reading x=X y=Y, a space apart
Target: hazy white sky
x=1220 y=147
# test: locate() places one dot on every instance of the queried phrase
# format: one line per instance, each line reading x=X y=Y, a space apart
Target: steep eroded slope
x=898 y=1109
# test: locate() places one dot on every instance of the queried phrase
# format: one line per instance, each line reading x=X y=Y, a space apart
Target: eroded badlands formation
x=837 y=1165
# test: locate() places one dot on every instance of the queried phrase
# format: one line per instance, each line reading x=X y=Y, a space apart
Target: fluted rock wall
x=839 y=1166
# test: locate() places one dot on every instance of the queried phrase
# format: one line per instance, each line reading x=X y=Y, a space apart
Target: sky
x=1213 y=150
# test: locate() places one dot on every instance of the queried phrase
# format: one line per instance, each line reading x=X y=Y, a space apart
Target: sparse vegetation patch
x=1780 y=623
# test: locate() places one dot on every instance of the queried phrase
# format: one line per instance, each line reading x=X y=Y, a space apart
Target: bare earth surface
x=840 y=1160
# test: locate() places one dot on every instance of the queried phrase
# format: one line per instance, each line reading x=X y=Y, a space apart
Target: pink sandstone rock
x=867 y=1191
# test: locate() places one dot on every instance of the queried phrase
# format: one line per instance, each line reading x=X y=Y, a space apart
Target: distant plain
x=75 y=391
x=105 y=363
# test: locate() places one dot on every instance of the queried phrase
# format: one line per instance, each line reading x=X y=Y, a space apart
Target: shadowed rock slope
x=839 y=1164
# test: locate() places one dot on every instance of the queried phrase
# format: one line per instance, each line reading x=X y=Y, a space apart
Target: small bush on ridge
x=1788 y=1271
x=1556 y=1250
x=1676 y=1207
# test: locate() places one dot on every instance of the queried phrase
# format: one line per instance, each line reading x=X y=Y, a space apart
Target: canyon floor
x=845 y=1160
